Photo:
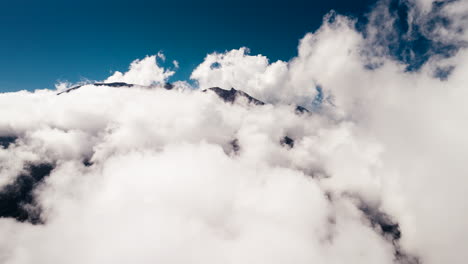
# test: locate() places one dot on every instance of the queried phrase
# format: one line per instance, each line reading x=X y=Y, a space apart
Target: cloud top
x=143 y=72
x=374 y=172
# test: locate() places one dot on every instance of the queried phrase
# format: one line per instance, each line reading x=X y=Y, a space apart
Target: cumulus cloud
x=143 y=72
x=374 y=172
x=293 y=82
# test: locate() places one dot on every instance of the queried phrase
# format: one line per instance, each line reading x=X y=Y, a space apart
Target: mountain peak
x=231 y=95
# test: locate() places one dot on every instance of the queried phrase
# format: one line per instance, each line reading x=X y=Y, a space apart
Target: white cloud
x=166 y=183
x=161 y=56
x=293 y=82
x=176 y=64
x=143 y=72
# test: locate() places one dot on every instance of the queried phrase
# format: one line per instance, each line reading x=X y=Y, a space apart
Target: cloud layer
x=375 y=172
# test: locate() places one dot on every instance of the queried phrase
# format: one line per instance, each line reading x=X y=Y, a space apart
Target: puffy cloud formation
x=143 y=72
x=375 y=172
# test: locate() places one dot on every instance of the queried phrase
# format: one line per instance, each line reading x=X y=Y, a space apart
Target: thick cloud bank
x=374 y=172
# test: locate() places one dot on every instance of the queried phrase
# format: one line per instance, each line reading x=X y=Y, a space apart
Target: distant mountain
x=228 y=96
x=113 y=84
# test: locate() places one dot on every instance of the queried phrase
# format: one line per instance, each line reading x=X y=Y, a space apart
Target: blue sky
x=43 y=42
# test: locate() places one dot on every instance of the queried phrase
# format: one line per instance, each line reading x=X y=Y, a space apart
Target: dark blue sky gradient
x=46 y=41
